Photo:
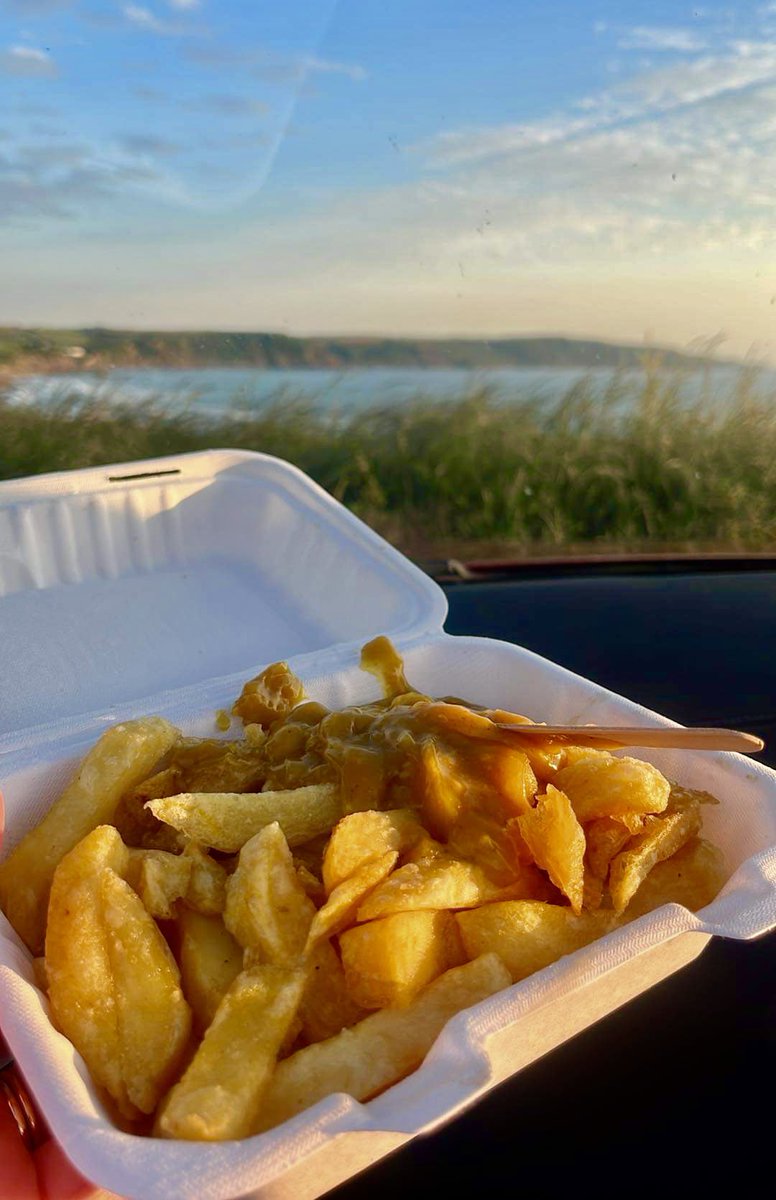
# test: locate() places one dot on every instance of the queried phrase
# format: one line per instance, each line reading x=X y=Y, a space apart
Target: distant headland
x=27 y=350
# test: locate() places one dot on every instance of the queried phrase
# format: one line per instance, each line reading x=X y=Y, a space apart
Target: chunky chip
x=435 y=883
x=388 y=961
x=363 y=836
x=78 y=967
x=691 y=877
x=529 y=934
x=113 y=984
x=226 y=821
x=221 y=1091
x=210 y=961
x=600 y=785
x=382 y=1048
x=160 y=879
x=327 y=1005
x=267 y=909
x=661 y=838
x=555 y=839
x=343 y=903
x=153 y=1017
x=122 y=758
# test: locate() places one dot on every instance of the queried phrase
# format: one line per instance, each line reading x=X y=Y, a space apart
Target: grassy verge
x=473 y=476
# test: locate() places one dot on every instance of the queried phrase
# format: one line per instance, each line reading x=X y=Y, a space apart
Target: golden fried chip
x=434 y=883
x=555 y=838
x=310 y=855
x=340 y=908
x=221 y=1092
x=440 y=788
x=227 y=821
x=311 y=883
x=545 y=758
x=267 y=909
x=381 y=1049
x=365 y=835
x=633 y=822
x=122 y=757
x=661 y=838
x=387 y=962
x=327 y=1006
x=605 y=837
x=210 y=961
x=692 y=877
x=424 y=849
x=154 y=1020
x=508 y=769
x=206 y=891
x=592 y=892
x=78 y=965
x=529 y=934
x=160 y=879
x=600 y=785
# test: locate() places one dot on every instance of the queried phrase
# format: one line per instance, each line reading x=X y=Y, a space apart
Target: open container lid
x=122 y=583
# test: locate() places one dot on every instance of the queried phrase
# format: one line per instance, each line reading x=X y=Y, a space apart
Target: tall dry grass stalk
x=635 y=468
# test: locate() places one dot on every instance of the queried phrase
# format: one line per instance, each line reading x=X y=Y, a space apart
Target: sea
x=217 y=392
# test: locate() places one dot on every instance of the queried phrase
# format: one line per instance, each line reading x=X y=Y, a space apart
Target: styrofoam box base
x=479 y=1047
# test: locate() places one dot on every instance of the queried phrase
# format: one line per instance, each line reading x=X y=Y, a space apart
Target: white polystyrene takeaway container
x=160 y=587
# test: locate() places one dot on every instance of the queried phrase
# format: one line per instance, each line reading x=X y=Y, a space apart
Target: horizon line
x=388 y=337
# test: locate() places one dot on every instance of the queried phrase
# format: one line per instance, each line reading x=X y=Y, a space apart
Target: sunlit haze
x=592 y=167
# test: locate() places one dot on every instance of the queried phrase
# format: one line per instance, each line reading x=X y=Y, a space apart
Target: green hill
x=101 y=349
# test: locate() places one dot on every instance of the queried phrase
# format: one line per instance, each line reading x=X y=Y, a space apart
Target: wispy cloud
x=31 y=189
x=326 y=66
x=652 y=37
x=672 y=162
x=63 y=180
x=272 y=68
x=29 y=62
x=650 y=95
x=145 y=19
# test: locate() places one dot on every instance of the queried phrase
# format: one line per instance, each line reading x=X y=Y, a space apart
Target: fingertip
x=17 y=1172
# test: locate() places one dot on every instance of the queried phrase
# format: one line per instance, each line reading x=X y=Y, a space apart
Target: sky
x=599 y=168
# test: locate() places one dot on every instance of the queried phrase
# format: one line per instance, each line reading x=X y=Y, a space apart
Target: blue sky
x=414 y=167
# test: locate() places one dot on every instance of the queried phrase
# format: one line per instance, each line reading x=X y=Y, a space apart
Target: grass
x=474 y=476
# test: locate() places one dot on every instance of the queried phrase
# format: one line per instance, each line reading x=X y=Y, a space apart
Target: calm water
x=218 y=391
